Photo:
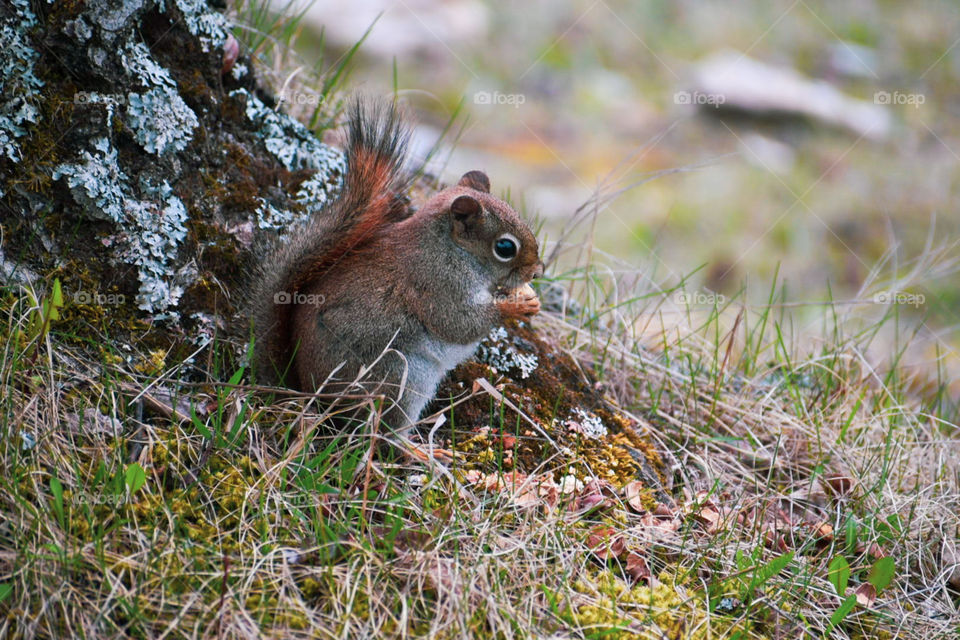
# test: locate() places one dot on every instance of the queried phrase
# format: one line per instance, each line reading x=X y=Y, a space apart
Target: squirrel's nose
x=538 y=270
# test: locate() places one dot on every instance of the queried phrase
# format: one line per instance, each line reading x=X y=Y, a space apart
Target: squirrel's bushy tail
x=372 y=197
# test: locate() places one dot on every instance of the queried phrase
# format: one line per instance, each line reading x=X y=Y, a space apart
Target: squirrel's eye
x=505 y=247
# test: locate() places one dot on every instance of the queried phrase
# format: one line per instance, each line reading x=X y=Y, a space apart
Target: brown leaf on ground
x=663 y=511
x=710 y=518
x=950 y=559
x=493 y=482
x=838 y=485
x=773 y=539
x=593 y=495
x=637 y=567
x=605 y=542
x=549 y=492
x=526 y=495
x=823 y=531
x=866 y=594
x=633 y=493
x=874 y=550
x=588 y=501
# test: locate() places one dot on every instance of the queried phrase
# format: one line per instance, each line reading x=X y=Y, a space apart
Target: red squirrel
x=372 y=284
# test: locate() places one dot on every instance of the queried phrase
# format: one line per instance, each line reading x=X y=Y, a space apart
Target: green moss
x=634 y=612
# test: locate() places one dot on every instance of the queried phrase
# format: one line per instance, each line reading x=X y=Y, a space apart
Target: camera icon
x=682 y=97
x=882 y=97
x=482 y=97
x=82 y=297
x=282 y=297
x=882 y=297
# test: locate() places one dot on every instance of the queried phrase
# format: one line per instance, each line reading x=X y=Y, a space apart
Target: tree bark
x=139 y=158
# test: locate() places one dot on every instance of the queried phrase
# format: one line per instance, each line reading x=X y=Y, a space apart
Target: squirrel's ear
x=475 y=180
x=466 y=212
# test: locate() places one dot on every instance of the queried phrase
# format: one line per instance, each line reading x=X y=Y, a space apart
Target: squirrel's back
x=372 y=197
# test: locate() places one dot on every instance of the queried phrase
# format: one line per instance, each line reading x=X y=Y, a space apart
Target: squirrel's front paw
x=521 y=303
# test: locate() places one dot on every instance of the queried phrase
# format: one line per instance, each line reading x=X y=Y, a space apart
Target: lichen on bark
x=126 y=148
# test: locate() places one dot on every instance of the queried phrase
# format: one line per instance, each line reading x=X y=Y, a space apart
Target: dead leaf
x=589 y=501
x=550 y=492
x=823 y=531
x=710 y=518
x=866 y=594
x=950 y=558
x=664 y=511
x=637 y=567
x=633 y=493
x=593 y=495
x=838 y=485
x=773 y=539
x=526 y=497
x=605 y=542
x=481 y=383
x=493 y=482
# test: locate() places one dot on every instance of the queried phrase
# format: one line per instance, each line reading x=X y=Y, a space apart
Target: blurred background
x=810 y=146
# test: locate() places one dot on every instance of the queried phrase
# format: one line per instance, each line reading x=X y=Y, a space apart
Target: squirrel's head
x=491 y=230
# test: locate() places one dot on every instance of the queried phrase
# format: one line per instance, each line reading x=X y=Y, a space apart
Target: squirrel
x=374 y=286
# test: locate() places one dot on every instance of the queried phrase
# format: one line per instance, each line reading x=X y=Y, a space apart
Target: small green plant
x=879 y=577
x=135 y=477
x=839 y=574
x=45 y=313
x=226 y=432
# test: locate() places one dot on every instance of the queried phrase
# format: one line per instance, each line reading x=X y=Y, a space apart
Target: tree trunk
x=139 y=157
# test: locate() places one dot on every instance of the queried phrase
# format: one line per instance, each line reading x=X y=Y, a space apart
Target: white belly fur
x=427 y=364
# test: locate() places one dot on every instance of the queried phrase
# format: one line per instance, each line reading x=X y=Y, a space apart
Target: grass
x=270 y=34
x=147 y=505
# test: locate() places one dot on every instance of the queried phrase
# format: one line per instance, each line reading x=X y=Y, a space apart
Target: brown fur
x=381 y=275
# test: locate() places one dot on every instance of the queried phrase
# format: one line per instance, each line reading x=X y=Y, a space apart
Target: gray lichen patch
x=315 y=192
x=161 y=121
x=296 y=148
x=150 y=230
x=500 y=353
x=586 y=423
x=210 y=27
x=19 y=85
x=270 y=217
x=96 y=181
x=139 y=63
x=159 y=118
x=288 y=140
